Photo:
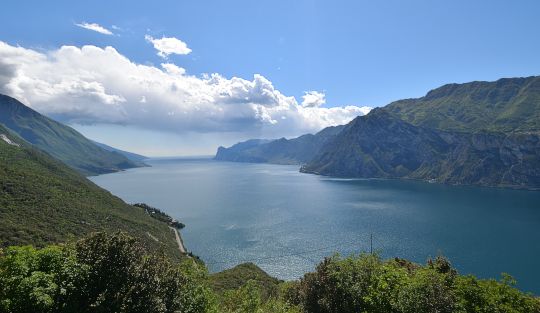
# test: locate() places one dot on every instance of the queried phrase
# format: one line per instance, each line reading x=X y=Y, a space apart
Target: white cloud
x=95 y=27
x=313 y=99
x=168 y=45
x=92 y=85
x=173 y=69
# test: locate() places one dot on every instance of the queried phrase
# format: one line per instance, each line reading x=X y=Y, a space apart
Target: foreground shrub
x=248 y=299
x=365 y=283
x=102 y=273
x=114 y=273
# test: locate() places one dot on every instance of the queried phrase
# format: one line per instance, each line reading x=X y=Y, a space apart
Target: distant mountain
x=43 y=201
x=380 y=145
x=505 y=105
x=59 y=140
x=281 y=151
x=137 y=158
x=484 y=133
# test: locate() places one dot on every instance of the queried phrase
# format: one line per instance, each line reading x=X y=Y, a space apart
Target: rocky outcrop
x=380 y=145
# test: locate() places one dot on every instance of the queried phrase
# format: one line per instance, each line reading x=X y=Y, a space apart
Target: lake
x=286 y=222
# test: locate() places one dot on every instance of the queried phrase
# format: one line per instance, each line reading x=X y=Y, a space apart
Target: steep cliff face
x=484 y=133
x=380 y=145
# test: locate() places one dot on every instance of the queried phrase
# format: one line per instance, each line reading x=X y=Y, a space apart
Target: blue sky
x=357 y=53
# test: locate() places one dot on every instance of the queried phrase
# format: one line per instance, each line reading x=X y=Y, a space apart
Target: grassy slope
x=43 y=201
x=239 y=275
x=60 y=141
x=506 y=105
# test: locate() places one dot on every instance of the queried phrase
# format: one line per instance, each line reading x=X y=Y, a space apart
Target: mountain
x=241 y=152
x=505 y=105
x=60 y=141
x=43 y=201
x=136 y=158
x=281 y=151
x=380 y=145
x=483 y=133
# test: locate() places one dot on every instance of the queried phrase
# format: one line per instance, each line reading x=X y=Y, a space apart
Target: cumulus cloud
x=168 y=45
x=173 y=69
x=313 y=99
x=95 y=27
x=93 y=85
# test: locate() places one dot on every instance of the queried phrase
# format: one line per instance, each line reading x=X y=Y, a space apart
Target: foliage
x=42 y=201
x=248 y=299
x=116 y=273
x=160 y=215
x=102 y=273
x=365 y=283
x=238 y=276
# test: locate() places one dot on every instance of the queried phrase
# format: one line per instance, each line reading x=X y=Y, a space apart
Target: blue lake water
x=286 y=222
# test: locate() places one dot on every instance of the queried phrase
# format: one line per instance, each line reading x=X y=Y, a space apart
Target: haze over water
x=286 y=222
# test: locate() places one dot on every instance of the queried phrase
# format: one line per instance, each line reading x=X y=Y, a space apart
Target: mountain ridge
x=479 y=133
x=297 y=150
x=59 y=140
x=380 y=145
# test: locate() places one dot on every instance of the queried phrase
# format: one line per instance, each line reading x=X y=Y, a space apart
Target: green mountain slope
x=43 y=201
x=506 y=105
x=238 y=276
x=380 y=145
x=281 y=151
x=134 y=157
x=60 y=141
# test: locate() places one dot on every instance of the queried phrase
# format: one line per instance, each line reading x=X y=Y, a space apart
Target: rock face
x=281 y=151
x=380 y=145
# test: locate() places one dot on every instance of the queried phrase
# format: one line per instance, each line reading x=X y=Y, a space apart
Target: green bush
x=102 y=273
x=365 y=283
x=107 y=273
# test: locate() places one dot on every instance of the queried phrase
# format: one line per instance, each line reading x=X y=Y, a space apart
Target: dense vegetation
x=160 y=215
x=60 y=141
x=115 y=273
x=365 y=283
x=100 y=274
x=236 y=277
x=43 y=201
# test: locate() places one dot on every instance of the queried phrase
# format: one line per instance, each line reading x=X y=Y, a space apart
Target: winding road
x=179 y=240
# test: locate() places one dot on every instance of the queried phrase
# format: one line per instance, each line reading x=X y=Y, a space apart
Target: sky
x=167 y=78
